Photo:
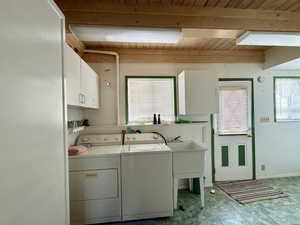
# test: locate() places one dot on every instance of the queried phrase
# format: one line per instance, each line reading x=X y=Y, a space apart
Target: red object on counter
x=76 y=150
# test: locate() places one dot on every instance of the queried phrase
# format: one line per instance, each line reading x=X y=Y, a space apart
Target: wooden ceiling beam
x=94 y=12
x=141 y=55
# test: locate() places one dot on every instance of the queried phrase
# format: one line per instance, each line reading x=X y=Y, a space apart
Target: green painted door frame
x=253 y=130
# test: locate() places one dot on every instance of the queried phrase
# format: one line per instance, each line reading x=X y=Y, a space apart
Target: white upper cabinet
x=89 y=86
x=72 y=75
x=197 y=93
x=82 y=82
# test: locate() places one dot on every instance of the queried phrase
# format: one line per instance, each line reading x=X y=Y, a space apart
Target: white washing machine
x=95 y=180
x=146 y=178
x=113 y=182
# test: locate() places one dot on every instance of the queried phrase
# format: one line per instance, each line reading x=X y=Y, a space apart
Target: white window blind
x=146 y=96
x=233 y=111
x=287 y=99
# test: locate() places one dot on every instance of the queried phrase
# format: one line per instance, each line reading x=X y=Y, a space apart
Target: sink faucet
x=139 y=132
x=162 y=136
x=124 y=134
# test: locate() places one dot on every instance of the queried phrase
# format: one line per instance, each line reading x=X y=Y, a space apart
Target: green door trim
x=253 y=130
x=212 y=139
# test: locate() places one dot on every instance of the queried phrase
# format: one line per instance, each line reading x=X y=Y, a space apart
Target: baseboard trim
x=279 y=176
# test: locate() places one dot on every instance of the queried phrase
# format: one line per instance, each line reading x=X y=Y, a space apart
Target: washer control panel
x=100 y=139
x=142 y=138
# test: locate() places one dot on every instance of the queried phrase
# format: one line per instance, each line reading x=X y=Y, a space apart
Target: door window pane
x=233 y=116
x=287 y=99
x=147 y=96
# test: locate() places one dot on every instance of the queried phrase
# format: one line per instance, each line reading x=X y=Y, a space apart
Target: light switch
x=264 y=119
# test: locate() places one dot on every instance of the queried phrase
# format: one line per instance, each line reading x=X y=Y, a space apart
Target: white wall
x=277 y=144
x=277 y=56
x=107 y=114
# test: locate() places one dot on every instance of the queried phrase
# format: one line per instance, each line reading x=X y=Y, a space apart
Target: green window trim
x=147 y=77
x=276 y=120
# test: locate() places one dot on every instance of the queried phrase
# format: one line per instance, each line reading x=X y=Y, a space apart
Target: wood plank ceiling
x=291 y=5
x=192 y=38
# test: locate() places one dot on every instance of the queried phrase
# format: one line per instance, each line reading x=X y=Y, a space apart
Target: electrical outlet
x=263 y=167
x=264 y=119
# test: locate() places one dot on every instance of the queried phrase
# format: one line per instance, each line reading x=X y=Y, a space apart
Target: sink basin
x=135 y=148
x=186 y=146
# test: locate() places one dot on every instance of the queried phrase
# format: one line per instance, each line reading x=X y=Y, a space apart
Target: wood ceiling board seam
x=185 y=22
x=186 y=11
x=256 y=4
x=245 y=4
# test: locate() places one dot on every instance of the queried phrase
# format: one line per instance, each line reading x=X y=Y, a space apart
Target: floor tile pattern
x=222 y=210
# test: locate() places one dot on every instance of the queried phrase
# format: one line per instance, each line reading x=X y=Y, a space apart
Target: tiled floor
x=221 y=210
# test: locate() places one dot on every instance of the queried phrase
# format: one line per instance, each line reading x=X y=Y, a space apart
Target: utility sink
x=139 y=148
x=188 y=159
x=188 y=163
x=189 y=146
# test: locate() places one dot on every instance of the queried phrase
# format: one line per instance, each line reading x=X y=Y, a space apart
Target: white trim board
x=279 y=176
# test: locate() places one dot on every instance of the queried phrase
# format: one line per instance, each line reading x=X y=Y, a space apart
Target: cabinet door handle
x=91 y=175
x=83 y=97
x=80 y=101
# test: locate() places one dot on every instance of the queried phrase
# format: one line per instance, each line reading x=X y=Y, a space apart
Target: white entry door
x=233 y=131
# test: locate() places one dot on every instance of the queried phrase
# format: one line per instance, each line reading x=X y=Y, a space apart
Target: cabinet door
x=181 y=94
x=197 y=93
x=147 y=185
x=89 y=86
x=84 y=82
x=72 y=75
x=93 y=91
x=93 y=184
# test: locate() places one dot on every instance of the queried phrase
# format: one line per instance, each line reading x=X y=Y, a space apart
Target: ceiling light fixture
x=126 y=34
x=269 y=39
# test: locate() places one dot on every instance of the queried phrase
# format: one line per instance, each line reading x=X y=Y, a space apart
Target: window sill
x=148 y=124
x=234 y=134
x=163 y=124
x=286 y=121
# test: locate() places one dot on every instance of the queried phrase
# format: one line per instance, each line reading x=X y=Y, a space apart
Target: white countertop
x=143 y=148
x=101 y=151
x=116 y=150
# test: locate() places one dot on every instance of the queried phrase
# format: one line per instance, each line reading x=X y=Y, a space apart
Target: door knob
x=249 y=132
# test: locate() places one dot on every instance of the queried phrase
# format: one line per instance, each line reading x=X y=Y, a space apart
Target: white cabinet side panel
x=181 y=94
x=32 y=167
x=72 y=75
x=146 y=185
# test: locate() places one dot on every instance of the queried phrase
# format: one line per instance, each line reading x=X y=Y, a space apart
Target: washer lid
x=100 y=139
x=144 y=148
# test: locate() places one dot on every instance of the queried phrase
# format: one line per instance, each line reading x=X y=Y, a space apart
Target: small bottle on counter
x=154 y=119
x=158 y=119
